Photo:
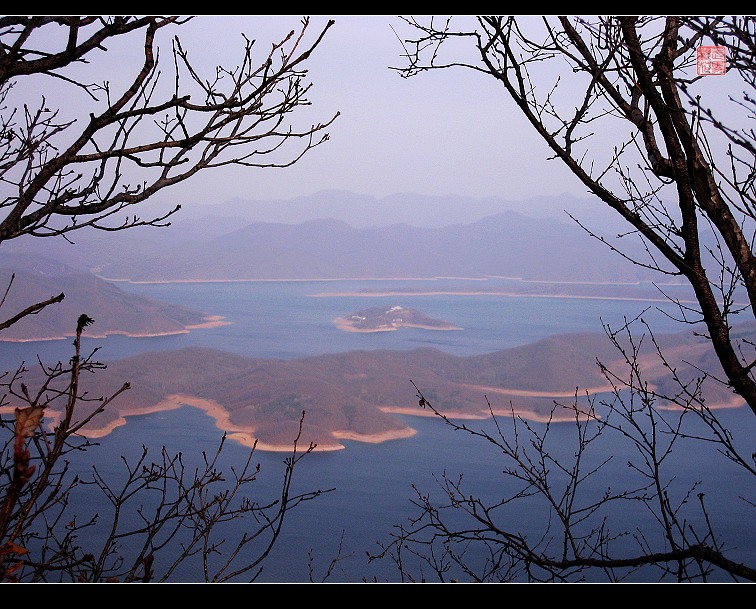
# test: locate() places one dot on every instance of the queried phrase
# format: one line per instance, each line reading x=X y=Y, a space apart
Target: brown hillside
x=116 y=311
x=353 y=395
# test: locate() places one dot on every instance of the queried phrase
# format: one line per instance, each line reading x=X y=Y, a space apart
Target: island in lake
x=381 y=319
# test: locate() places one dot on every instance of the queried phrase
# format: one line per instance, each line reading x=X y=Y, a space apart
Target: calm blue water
x=288 y=320
x=373 y=482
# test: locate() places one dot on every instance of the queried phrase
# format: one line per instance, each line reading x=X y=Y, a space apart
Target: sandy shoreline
x=515 y=294
x=434 y=278
x=211 y=321
x=528 y=415
x=245 y=435
x=507 y=293
x=313 y=279
x=529 y=393
x=568 y=415
x=376 y=438
x=239 y=434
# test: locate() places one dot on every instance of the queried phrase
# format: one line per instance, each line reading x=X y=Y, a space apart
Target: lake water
x=373 y=483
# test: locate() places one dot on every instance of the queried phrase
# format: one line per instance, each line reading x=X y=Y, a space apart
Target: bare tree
x=144 y=137
x=87 y=165
x=620 y=102
x=665 y=171
x=162 y=514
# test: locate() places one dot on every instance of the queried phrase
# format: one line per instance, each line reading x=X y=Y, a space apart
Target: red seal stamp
x=711 y=60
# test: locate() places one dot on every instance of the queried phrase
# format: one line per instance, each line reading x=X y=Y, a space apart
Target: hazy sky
x=445 y=132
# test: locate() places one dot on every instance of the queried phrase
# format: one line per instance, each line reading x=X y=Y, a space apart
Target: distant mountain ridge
x=423 y=211
x=526 y=240
x=508 y=244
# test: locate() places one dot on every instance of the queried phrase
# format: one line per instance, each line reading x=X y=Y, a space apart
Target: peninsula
x=363 y=395
x=116 y=311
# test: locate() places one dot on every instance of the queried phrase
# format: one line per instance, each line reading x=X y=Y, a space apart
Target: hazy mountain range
x=424 y=211
x=224 y=246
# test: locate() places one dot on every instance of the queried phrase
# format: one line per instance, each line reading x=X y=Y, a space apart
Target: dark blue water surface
x=373 y=482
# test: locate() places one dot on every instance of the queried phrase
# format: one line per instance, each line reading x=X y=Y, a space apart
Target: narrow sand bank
x=211 y=321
